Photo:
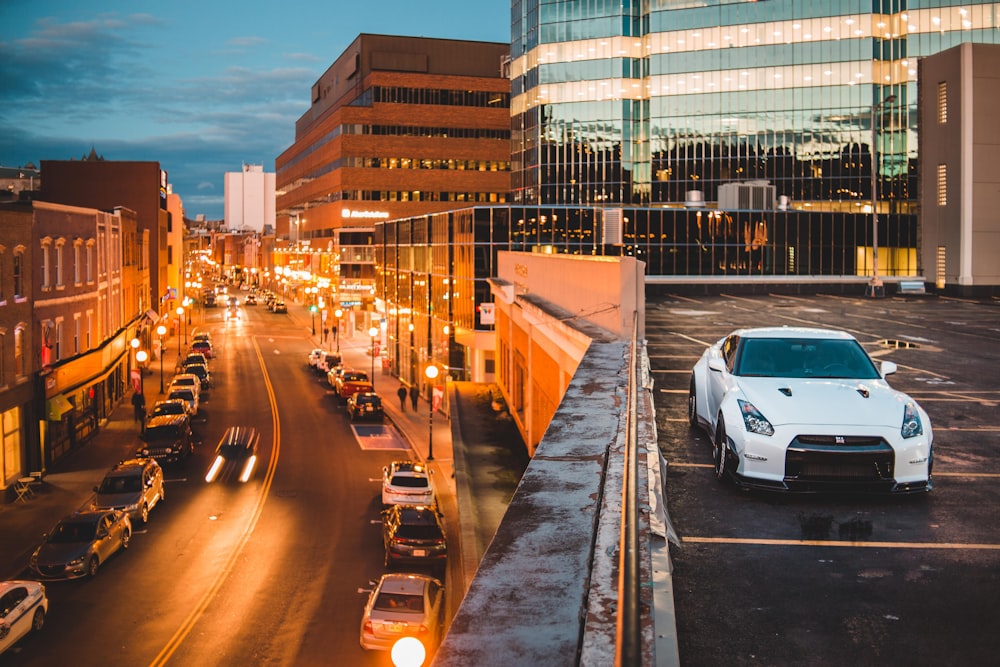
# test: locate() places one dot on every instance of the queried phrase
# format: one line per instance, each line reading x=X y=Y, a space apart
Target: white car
x=807 y=410
x=186 y=380
x=406 y=483
x=23 y=605
x=187 y=394
x=403 y=605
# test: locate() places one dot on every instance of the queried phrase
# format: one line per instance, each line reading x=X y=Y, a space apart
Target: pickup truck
x=351 y=382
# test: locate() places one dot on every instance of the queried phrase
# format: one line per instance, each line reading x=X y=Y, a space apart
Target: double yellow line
x=167 y=652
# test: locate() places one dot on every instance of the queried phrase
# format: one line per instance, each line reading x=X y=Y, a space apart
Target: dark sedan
x=413 y=534
x=80 y=543
x=365 y=405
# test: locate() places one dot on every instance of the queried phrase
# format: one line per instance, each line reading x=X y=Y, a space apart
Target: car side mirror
x=716 y=364
x=888 y=368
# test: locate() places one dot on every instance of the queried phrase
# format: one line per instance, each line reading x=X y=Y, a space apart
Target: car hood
x=58 y=554
x=825 y=401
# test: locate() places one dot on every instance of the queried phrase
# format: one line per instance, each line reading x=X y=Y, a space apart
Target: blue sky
x=201 y=87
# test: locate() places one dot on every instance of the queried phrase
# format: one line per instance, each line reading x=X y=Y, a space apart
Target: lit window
x=942 y=184
x=942 y=103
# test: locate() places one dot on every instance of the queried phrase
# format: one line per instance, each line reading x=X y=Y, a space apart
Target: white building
x=249 y=198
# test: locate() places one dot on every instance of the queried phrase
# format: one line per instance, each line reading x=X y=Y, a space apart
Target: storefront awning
x=58 y=405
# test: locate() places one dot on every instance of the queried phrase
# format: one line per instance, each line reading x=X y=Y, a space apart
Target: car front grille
x=823 y=458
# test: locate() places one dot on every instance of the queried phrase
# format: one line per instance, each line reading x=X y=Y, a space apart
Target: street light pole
x=431 y=372
x=373 y=332
x=160 y=330
x=180 y=324
x=140 y=358
x=875 y=287
x=338 y=314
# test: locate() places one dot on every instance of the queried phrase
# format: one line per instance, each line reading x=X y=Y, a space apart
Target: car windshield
x=167 y=409
x=184 y=395
x=121 y=484
x=804 y=358
x=409 y=482
x=354 y=377
x=401 y=602
x=69 y=532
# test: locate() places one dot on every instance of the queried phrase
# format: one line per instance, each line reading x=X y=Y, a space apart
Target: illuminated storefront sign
x=369 y=215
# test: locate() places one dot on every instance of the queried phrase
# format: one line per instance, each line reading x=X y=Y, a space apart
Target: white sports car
x=807 y=410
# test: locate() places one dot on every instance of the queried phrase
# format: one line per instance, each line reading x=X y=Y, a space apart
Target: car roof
x=11 y=584
x=183 y=376
x=407 y=584
x=129 y=466
x=171 y=401
x=416 y=514
x=180 y=390
x=793 y=332
x=409 y=467
x=84 y=516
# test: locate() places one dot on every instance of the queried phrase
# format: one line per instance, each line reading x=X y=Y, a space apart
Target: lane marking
x=835 y=543
x=188 y=625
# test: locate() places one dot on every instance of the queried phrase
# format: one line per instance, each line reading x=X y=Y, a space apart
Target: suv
x=365 y=405
x=134 y=486
x=406 y=483
x=167 y=439
x=413 y=534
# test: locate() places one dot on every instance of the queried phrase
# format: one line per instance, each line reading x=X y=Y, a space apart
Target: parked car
x=351 y=382
x=235 y=455
x=187 y=394
x=185 y=379
x=250 y=300
x=194 y=358
x=203 y=346
x=414 y=534
x=279 y=307
x=23 y=606
x=202 y=373
x=333 y=374
x=210 y=300
x=403 y=605
x=80 y=543
x=407 y=483
x=315 y=355
x=134 y=486
x=202 y=335
x=328 y=361
x=365 y=405
x=169 y=406
x=168 y=439
x=803 y=409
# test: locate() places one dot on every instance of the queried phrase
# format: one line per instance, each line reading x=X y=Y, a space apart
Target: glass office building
x=765 y=112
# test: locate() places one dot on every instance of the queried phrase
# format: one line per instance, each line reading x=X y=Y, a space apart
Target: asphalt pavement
x=478 y=459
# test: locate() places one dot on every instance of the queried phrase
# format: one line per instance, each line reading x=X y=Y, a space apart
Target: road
x=265 y=573
x=765 y=579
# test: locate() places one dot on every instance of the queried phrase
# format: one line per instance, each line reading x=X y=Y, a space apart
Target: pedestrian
x=414 y=396
x=401 y=392
x=139 y=404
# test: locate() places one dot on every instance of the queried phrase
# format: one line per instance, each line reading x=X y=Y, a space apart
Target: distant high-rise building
x=249 y=198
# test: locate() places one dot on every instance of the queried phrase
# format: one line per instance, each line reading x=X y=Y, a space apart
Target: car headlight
x=912 y=426
x=76 y=561
x=753 y=419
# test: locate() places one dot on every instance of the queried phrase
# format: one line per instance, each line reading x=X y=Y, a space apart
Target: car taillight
x=423 y=629
x=369 y=630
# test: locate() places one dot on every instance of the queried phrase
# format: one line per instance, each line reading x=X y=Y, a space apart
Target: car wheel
x=692 y=405
x=144 y=514
x=38 y=620
x=126 y=538
x=719 y=453
x=93 y=566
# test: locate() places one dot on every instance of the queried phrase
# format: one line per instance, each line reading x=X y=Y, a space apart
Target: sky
x=202 y=87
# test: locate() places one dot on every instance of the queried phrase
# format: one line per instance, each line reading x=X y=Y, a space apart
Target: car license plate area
x=420 y=553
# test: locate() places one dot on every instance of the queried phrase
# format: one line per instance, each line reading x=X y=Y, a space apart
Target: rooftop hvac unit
x=612 y=228
x=694 y=199
x=747 y=196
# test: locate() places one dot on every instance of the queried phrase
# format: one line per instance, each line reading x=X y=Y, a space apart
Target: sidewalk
x=69 y=484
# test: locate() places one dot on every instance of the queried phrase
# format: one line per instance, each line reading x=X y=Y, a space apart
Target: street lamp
x=180 y=325
x=373 y=332
x=336 y=332
x=312 y=311
x=140 y=358
x=431 y=372
x=160 y=331
x=875 y=288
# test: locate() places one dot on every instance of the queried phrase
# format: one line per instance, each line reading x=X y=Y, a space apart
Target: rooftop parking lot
x=770 y=579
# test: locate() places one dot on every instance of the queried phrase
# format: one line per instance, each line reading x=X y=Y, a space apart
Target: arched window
x=60 y=282
x=90 y=261
x=77 y=267
x=19 y=370
x=46 y=263
x=18 y=266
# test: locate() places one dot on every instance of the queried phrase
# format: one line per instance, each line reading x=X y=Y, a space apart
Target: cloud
x=205 y=186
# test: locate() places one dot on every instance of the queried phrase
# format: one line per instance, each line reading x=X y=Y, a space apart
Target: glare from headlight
x=753 y=419
x=911 y=422
x=214 y=470
x=248 y=468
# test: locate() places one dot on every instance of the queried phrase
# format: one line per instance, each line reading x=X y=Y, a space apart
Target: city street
x=766 y=579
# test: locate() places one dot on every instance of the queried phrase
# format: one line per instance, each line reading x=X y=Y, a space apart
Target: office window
x=942 y=185
x=942 y=103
